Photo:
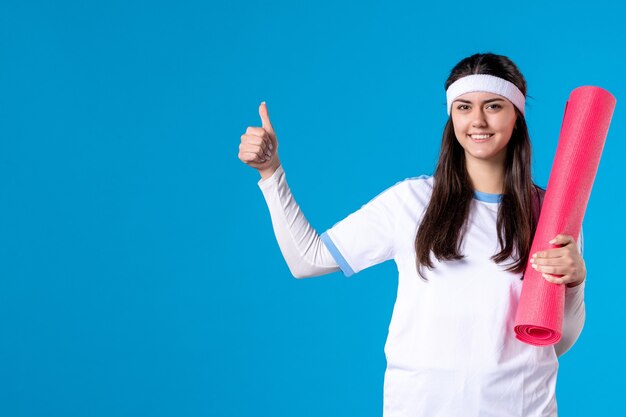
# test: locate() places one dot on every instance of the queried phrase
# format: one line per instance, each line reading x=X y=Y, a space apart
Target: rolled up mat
x=588 y=112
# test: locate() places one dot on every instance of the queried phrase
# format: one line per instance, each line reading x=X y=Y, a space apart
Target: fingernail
x=552 y=241
x=271 y=147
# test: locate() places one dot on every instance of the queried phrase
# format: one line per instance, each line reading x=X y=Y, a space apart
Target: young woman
x=461 y=240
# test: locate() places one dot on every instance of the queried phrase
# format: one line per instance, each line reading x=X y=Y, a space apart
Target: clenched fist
x=259 y=146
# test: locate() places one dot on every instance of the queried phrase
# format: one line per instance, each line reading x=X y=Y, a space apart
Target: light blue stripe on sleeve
x=341 y=261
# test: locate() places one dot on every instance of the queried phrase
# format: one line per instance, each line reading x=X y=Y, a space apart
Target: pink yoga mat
x=588 y=113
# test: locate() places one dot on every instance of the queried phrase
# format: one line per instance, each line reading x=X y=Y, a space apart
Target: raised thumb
x=265 y=117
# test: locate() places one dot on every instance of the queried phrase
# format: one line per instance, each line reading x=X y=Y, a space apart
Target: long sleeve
x=574 y=314
x=303 y=250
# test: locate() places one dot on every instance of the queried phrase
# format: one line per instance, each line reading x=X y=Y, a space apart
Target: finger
x=260 y=150
x=265 y=118
x=550 y=269
x=542 y=267
x=256 y=131
x=252 y=157
x=550 y=260
x=562 y=239
x=549 y=253
x=553 y=278
x=253 y=140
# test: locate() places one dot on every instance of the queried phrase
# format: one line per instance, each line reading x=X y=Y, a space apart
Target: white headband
x=489 y=84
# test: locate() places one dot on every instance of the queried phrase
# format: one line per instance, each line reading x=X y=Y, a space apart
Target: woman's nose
x=479 y=118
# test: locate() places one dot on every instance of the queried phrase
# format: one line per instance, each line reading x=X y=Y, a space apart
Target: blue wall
x=139 y=273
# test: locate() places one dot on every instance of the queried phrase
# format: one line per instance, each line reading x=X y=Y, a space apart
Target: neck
x=486 y=176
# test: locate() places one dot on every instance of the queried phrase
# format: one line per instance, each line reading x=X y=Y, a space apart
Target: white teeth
x=480 y=136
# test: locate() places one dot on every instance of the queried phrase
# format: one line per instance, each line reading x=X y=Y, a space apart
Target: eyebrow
x=485 y=101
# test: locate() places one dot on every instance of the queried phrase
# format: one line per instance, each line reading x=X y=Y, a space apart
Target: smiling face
x=483 y=125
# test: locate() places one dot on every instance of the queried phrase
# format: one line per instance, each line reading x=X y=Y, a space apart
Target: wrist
x=269 y=171
x=575 y=284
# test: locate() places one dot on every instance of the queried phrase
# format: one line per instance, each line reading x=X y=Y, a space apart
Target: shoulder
x=403 y=190
x=423 y=179
x=410 y=191
x=421 y=185
x=540 y=192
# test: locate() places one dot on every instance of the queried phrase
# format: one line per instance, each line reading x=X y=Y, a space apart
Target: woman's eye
x=465 y=106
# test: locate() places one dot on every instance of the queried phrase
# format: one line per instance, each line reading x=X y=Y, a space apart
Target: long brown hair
x=445 y=220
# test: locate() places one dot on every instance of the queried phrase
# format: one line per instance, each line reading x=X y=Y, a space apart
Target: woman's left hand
x=565 y=261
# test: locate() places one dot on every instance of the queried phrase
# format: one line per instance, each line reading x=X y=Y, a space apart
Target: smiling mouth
x=480 y=138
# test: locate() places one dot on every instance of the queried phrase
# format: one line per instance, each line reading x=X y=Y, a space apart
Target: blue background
x=139 y=271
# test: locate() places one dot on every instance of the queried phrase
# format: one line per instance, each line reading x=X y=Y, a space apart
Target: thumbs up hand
x=259 y=146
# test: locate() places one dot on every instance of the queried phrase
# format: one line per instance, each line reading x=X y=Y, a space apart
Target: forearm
x=305 y=253
x=573 y=319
